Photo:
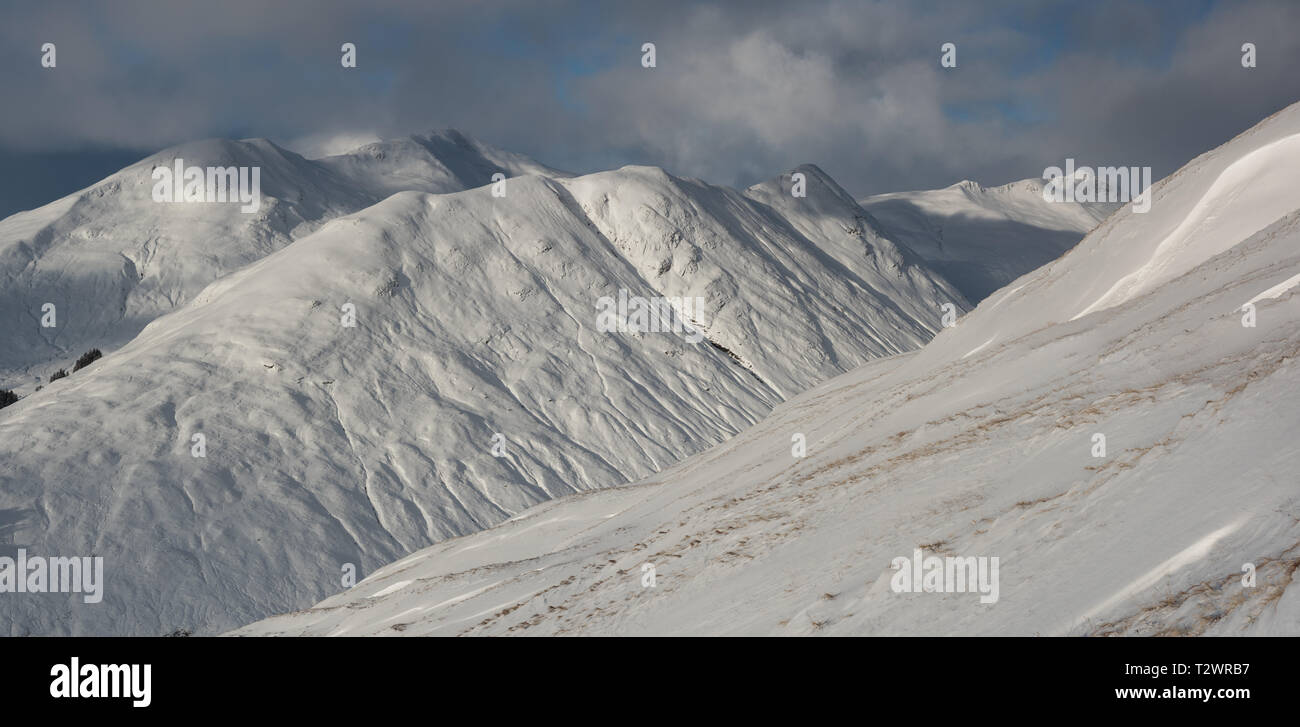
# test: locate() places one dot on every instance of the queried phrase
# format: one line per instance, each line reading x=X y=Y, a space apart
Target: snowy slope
x=438 y=162
x=982 y=238
x=476 y=316
x=981 y=444
x=111 y=259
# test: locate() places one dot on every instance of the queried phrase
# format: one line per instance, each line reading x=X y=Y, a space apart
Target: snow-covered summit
x=110 y=259
x=982 y=238
x=439 y=161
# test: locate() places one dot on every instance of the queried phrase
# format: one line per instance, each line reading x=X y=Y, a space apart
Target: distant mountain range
x=1103 y=447
x=393 y=350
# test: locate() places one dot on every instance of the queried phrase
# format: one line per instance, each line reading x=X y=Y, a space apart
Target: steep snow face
x=110 y=259
x=986 y=443
x=762 y=261
x=475 y=383
x=982 y=238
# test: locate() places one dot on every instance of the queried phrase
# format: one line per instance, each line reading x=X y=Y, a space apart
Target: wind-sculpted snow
x=983 y=444
x=476 y=335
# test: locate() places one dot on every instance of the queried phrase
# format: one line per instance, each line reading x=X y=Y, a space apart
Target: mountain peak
x=222 y=152
x=815 y=178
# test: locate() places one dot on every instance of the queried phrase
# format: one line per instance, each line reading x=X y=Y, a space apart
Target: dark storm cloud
x=742 y=91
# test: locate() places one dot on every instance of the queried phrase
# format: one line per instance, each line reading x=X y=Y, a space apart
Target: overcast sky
x=742 y=91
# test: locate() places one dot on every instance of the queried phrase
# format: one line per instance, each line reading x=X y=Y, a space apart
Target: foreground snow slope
x=476 y=317
x=111 y=259
x=979 y=444
x=982 y=238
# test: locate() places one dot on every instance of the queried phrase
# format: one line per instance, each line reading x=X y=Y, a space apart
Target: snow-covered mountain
x=986 y=443
x=438 y=162
x=111 y=260
x=982 y=238
x=475 y=383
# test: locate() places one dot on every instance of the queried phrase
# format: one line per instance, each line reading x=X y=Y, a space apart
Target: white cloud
x=315 y=146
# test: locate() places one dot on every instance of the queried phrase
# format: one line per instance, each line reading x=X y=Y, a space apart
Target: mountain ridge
x=327 y=444
x=983 y=443
x=982 y=238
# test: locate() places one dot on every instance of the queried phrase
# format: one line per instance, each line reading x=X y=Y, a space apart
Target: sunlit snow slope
x=476 y=322
x=981 y=444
